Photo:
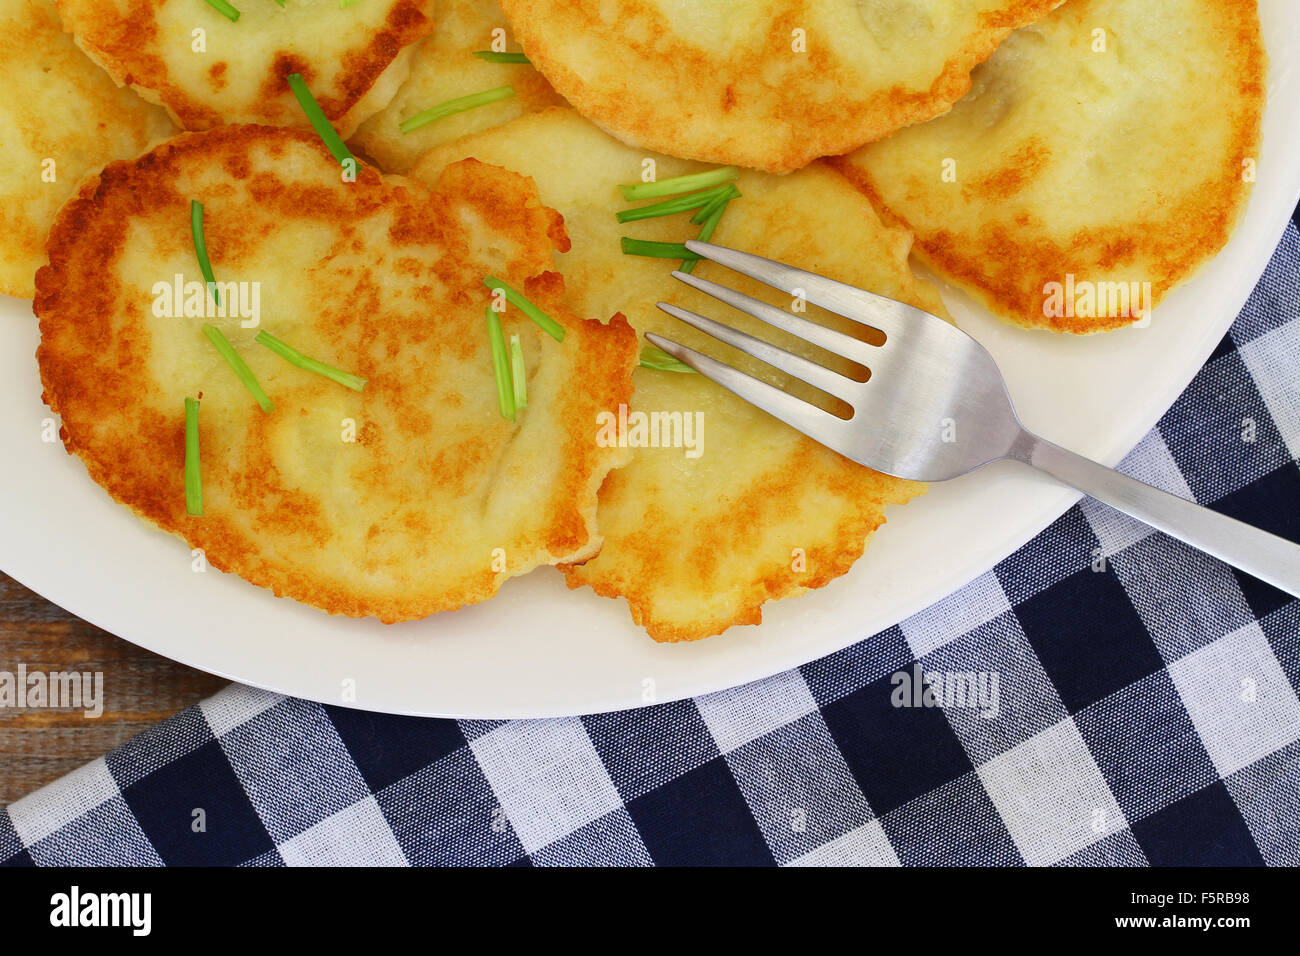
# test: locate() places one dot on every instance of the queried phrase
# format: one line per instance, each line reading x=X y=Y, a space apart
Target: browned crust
x=869 y=491
x=801 y=128
x=92 y=360
x=1008 y=275
x=122 y=46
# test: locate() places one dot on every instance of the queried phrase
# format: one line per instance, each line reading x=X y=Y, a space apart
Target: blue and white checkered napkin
x=1146 y=714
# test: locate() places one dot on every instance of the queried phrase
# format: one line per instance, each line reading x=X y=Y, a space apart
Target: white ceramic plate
x=538 y=649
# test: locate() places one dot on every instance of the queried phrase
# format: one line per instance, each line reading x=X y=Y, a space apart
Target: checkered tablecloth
x=1146 y=714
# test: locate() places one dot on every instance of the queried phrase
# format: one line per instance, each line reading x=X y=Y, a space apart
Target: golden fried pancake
x=411 y=496
x=1102 y=156
x=62 y=119
x=761 y=83
x=703 y=529
x=353 y=59
x=444 y=68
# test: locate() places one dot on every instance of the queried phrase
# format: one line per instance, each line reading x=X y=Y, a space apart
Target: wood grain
x=140 y=689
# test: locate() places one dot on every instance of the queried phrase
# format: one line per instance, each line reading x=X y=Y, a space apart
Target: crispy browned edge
x=832 y=560
x=122 y=51
x=72 y=289
x=1187 y=235
x=824 y=129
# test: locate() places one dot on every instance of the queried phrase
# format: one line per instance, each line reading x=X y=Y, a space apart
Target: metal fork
x=935 y=405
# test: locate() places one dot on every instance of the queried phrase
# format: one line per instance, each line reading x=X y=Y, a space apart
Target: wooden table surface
x=140 y=689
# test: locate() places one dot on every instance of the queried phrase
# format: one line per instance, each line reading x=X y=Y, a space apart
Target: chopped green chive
x=518 y=372
x=344 y=4
x=492 y=56
x=724 y=197
x=670 y=207
x=333 y=142
x=679 y=184
x=657 y=358
x=201 y=248
x=656 y=250
x=547 y=324
x=193 y=474
x=241 y=368
x=710 y=224
x=281 y=3
x=500 y=364
x=290 y=354
x=706 y=233
x=225 y=9
x=458 y=105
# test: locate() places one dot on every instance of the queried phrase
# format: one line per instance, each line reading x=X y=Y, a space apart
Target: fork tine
x=877 y=311
x=815 y=375
x=845 y=346
x=814 y=422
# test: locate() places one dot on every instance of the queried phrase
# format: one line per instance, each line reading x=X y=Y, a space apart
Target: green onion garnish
x=241 y=368
x=656 y=250
x=492 y=56
x=201 y=248
x=500 y=364
x=227 y=11
x=670 y=207
x=333 y=142
x=706 y=233
x=458 y=105
x=280 y=3
x=657 y=358
x=679 y=184
x=290 y=354
x=344 y=4
x=724 y=197
x=518 y=372
x=548 y=324
x=193 y=474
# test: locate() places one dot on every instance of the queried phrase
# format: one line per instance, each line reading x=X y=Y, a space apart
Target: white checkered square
x=55 y=805
x=865 y=846
x=231 y=706
x=1185 y=598
x=1239 y=699
x=1051 y=795
x=1268 y=795
x=1271 y=362
x=107 y=835
x=798 y=788
x=960 y=612
x=294 y=766
x=355 y=836
x=737 y=716
x=1118 y=849
x=1019 y=699
x=547 y=777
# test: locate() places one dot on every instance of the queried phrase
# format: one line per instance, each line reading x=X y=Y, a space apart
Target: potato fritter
x=411 y=496
x=444 y=68
x=208 y=71
x=759 y=83
x=63 y=119
x=1102 y=156
x=702 y=530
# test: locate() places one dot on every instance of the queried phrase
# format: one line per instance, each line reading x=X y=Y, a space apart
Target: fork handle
x=1273 y=560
